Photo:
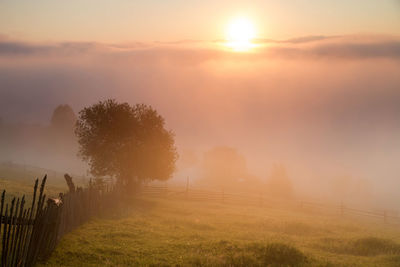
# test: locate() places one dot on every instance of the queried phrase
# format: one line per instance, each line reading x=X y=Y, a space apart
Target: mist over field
x=200 y=133
x=327 y=108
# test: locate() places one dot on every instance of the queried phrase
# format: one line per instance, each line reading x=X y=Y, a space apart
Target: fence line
x=31 y=234
x=256 y=199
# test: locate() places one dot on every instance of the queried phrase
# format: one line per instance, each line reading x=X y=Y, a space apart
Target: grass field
x=167 y=232
x=180 y=232
x=19 y=180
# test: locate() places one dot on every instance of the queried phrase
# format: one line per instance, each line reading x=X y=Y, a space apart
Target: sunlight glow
x=240 y=33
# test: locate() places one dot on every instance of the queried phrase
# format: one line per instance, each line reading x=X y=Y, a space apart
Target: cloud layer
x=346 y=47
x=322 y=105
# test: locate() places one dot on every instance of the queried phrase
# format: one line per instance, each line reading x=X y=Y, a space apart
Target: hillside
x=178 y=232
x=18 y=180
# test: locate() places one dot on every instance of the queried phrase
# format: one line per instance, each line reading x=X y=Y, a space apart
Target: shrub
x=371 y=246
x=366 y=246
x=278 y=254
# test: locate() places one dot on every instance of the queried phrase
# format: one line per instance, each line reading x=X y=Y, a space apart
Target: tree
x=129 y=143
x=60 y=138
x=279 y=184
x=63 y=119
x=224 y=167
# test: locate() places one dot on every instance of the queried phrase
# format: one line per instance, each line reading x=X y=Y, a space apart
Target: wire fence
x=30 y=233
x=262 y=200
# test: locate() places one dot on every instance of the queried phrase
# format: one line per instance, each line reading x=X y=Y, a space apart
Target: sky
x=319 y=93
x=158 y=20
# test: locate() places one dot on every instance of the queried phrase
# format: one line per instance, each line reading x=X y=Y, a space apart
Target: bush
x=225 y=253
x=371 y=246
x=366 y=246
x=278 y=254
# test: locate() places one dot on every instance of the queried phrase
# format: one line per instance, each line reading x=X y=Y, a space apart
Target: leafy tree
x=279 y=184
x=63 y=118
x=60 y=138
x=224 y=167
x=129 y=143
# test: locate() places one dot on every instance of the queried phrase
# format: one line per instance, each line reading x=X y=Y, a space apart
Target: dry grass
x=162 y=232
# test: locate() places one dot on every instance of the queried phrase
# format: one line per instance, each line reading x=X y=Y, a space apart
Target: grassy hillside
x=180 y=232
x=19 y=180
x=167 y=232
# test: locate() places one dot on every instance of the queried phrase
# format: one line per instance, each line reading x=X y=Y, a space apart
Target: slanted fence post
x=30 y=235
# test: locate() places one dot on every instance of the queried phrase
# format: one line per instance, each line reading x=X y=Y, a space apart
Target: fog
x=325 y=108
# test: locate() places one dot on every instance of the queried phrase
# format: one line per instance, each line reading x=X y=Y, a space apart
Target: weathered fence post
x=70 y=184
x=29 y=235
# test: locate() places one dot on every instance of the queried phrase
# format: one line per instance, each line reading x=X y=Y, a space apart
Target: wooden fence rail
x=199 y=194
x=31 y=231
x=29 y=234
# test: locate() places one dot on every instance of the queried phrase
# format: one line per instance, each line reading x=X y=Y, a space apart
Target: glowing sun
x=240 y=33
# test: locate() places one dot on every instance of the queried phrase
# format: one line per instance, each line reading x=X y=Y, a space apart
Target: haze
x=322 y=98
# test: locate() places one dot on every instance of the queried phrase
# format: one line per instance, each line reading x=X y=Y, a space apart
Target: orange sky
x=127 y=21
x=324 y=99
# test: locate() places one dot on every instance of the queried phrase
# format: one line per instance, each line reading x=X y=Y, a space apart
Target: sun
x=240 y=33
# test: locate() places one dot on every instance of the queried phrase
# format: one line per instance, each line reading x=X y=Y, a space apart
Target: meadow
x=18 y=180
x=179 y=232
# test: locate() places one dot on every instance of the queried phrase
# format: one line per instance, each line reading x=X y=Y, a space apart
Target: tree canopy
x=129 y=143
x=224 y=167
x=63 y=118
x=279 y=184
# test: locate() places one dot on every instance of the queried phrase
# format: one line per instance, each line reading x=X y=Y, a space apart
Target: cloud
x=297 y=40
x=195 y=51
x=385 y=49
x=8 y=48
x=328 y=102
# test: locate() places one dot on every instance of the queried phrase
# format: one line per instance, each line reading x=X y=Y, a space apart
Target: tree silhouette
x=279 y=184
x=224 y=167
x=63 y=118
x=129 y=143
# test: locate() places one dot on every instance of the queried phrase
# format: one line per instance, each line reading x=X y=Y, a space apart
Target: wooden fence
x=263 y=200
x=31 y=233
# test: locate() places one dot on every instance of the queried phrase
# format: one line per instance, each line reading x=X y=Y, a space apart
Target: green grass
x=162 y=232
x=18 y=181
x=173 y=232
